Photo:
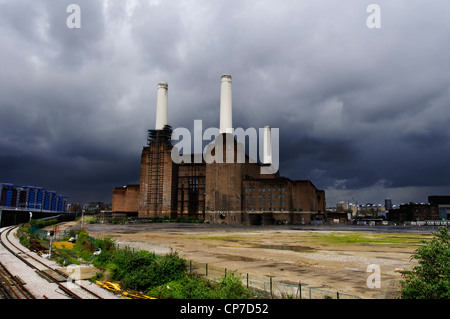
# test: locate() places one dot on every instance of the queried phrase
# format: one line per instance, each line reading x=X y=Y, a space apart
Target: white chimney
x=161 y=105
x=267 y=155
x=226 y=116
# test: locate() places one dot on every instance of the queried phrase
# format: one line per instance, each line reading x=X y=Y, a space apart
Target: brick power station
x=224 y=191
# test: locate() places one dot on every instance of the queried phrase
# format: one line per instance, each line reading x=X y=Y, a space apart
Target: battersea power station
x=222 y=185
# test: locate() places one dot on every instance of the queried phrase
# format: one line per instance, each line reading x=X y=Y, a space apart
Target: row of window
x=264 y=209
x=269 y=189
x=256 y=203
x=269 y=196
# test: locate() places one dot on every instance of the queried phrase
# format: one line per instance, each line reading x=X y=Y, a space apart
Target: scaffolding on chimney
x=159 y=141
x=164 y=135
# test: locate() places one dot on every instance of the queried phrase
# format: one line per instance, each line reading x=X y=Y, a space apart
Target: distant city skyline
x=361 y=111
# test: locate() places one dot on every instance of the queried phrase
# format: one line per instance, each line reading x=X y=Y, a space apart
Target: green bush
x=196 y=287
x=430 y=279
x=231 y=287
x=188 y=287
x=106 y=243
x=84 y=246
x=171 y=267
x=148 y=272
x=142 y=269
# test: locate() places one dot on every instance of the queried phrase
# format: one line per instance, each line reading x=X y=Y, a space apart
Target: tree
x=430 y=279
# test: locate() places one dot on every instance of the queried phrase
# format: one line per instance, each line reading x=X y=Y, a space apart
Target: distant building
x=413 y=212
x=387 y=204
x=95 y=207
x=30 y=198
x=443 y=205
x=342 y=206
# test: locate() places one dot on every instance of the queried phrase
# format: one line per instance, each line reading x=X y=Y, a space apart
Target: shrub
x=140 y=270
x=188 y=287
x=84 y=246
x=171 y=267
x=431 y=278
x=231 y=287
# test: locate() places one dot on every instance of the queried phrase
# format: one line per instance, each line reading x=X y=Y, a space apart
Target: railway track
x=52 y=275
x=11 y=287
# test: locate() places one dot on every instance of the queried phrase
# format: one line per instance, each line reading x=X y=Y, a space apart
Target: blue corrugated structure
x=30 y=198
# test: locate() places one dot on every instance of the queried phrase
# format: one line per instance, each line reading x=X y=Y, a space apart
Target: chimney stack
x=161 y=105
x=226 y=118
x=267 y=155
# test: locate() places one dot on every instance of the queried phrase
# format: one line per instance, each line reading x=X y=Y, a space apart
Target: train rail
x=11 y=287
x=53 y=275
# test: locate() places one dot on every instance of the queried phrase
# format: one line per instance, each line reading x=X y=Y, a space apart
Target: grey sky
x=362 y=112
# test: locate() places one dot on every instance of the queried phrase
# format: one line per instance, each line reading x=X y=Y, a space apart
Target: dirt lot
x=331 y=258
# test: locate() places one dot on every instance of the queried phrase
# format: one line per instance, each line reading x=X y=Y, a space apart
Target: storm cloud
x=362 y=112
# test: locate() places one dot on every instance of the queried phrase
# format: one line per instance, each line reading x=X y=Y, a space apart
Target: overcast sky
x=363 y=113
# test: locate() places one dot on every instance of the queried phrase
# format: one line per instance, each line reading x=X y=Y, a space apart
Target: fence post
x=225 y=273
x=337 y=295
x=247 y=280
x=299 y=290
x=271 y=294
x=190 y=266
x=206 y=270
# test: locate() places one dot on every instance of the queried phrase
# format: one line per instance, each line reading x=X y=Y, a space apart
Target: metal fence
x=269 y=286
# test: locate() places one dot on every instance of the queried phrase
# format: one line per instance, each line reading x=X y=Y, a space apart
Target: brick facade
x=216 y=191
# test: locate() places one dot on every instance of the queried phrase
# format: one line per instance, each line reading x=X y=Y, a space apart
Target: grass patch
x=361 y=238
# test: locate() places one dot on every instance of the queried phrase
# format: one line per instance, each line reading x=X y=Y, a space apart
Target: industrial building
x=217 y=191
x=437 y=209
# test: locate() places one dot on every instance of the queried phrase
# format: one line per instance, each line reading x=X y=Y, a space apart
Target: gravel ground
x=265 y=252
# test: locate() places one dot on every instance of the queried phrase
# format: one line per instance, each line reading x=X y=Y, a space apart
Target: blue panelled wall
x=30 y=198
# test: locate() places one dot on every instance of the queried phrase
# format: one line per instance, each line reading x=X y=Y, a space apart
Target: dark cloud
x=361 y=112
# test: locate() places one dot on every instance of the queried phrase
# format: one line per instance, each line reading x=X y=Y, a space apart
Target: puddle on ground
x=238 y=258
x=303 y=249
